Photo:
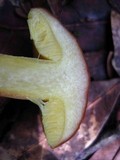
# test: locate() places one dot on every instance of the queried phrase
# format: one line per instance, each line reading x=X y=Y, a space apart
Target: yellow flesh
x=61 y=81
x=54 y=120
x=44 y=40
x=53 y=113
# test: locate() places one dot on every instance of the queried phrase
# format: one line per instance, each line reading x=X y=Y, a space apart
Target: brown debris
x=108 y=152
x=115 y=22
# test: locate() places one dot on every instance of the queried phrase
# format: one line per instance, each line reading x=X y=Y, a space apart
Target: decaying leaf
x=110 y=132
x=55 y=6
x=99 y=65
x=20 y=129
x=5 y=20
x=115 y=22
x=109 y=152
x=115 y=5
x=24 y=7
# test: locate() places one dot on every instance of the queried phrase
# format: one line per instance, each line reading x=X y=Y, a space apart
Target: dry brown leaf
x=110 y=132
x=115 y=5
x=20 y=127
x=115 y=22
x=107 y=152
